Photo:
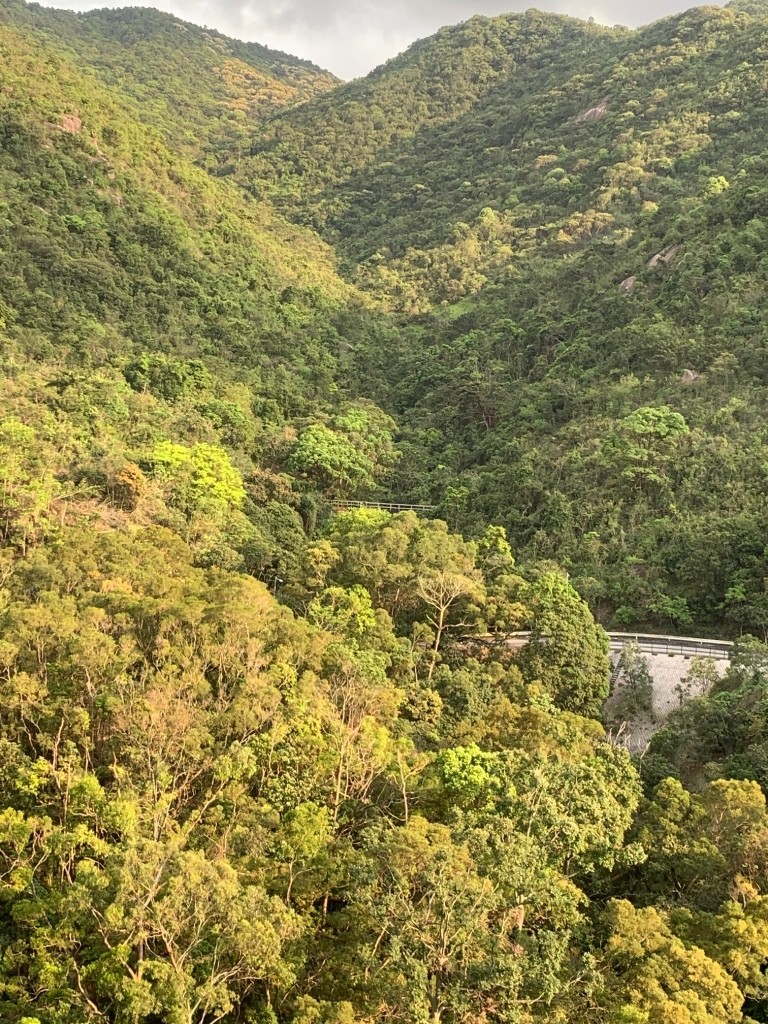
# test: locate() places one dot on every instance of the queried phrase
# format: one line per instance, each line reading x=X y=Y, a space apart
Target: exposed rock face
x=689 y=376
x=666 y=255
x=70 y=123
x=594 y=113
x=628 y=284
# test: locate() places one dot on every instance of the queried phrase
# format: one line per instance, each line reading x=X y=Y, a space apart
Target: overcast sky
x=350 y=37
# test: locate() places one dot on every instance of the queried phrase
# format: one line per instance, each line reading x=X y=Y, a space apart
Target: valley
x=313 y=394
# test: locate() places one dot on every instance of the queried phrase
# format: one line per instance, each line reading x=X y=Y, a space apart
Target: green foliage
x=331 y=460
x=349 y=457
x=202 y=90
x=567 y=651
x=582 y=271
x=260 y=761
x=199 y=479
x=722 y=734
x=590 y=447
x=663 y=979
x=208 y=802
x=711 y=843
x=635 y=686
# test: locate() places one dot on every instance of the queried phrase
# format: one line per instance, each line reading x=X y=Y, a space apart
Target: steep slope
x=252 y=766
x=446 y=166
x=569 y=221
x=202 y=90
x=204 y=795
x=604 y=392
x=583 y=211
x=157 y=327
x=322 y=159
x=90 y=187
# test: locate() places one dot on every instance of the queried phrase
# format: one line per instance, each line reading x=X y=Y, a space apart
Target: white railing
x=649 y=643
x=388 y=506
x=652 y=643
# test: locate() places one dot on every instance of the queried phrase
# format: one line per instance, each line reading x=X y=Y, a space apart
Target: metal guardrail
x=388 y=506
x=688 y=646
x=648 y=643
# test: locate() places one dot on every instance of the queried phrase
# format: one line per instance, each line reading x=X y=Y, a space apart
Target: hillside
x=408 y=120
x=454 y=160
x=87 y=179
x=570 y=222
x=144 y=304
x=264 y=760
x=203 y=91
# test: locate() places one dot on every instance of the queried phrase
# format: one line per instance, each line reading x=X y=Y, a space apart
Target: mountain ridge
x=198 y=86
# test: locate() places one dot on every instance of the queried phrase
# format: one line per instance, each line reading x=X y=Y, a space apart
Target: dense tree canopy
x=269 y=757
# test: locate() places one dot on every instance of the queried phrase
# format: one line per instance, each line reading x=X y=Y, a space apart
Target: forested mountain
x=572 y=219
x=145 y=303
x=266 y=761
x=409 y=145
x=203 y=91
x=539 y=119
